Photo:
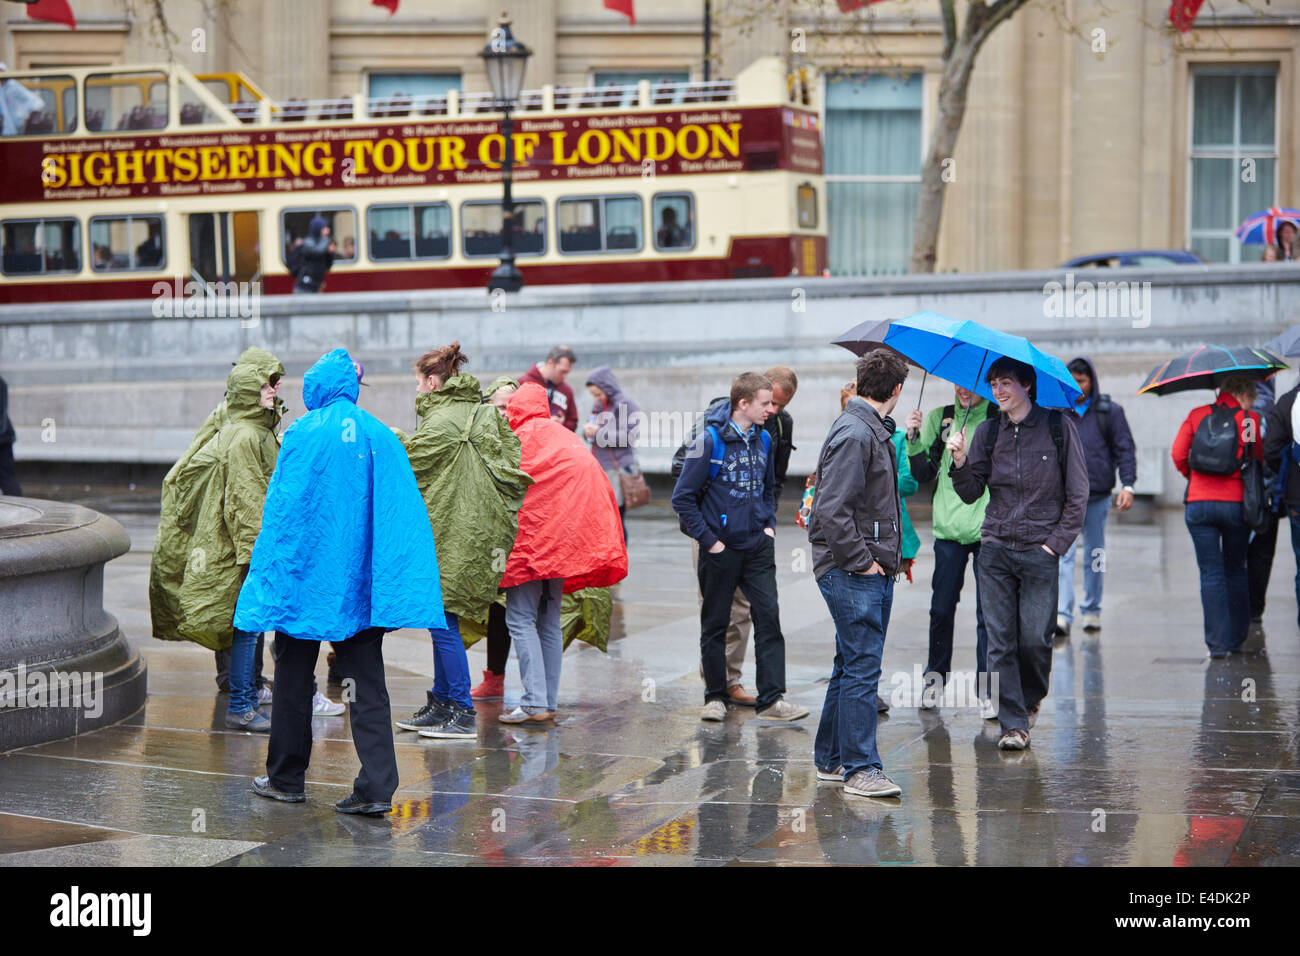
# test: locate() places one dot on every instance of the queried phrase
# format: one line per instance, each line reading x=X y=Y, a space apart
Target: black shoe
x=354 y=804
x=460 y=723
x=262 y=787
x=432 y=714
x=882 y=705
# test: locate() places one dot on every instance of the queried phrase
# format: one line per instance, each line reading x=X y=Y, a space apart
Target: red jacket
x=568 y=525
x=1203 y=487
x=561 y=397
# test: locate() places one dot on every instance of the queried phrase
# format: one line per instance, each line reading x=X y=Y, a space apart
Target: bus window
x=225 y=246
x=390 y=232
x=38 y=105
x=433 y=231
x=126 y=101
x=480 y=223
x=39 y=246
x=599 y=224
x=193 y=110
x=295 y=224
x=805 y=202
x=125 y=243
x=673 y=216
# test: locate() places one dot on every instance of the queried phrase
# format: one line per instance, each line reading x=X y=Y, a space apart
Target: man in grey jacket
x=1032 y=464
x=855 y=530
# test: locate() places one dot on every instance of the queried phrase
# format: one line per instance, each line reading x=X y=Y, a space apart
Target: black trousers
x=360 y=657
x=498 y=639
x=8 y=477
x=754 y=572
x=1259 y=564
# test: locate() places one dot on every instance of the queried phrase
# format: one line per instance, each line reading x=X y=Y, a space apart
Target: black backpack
x=1214 y=446
x=679 y=456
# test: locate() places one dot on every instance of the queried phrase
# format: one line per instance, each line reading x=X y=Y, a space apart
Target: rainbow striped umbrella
x=1261 y=228
x=1207 y=367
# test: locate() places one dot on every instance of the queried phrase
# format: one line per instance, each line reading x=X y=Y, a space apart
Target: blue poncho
x=345 y=543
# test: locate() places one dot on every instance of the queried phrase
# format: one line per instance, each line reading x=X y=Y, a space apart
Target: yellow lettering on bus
x=74 y=171
x=318 y=159
x=659 y=143
x=240 y=162
x=130 y=166
x=719 y=136
x=413 y=160
x=631 y=143
x=159 y=158
x=451 y=153
x=557 y=149
x=263 y=160
x=288 y=159
x=358 y=150
x=96 y=176
x=388 y=156
x=485 y=150
x=184 y=164
x=525 y=143
x=701 y=142
x=593 y=157
x=212 y=159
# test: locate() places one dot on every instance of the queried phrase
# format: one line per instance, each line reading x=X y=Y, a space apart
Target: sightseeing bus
x=115 y=179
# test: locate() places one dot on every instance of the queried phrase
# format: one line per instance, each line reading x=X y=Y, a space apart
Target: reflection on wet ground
x=1145 y=753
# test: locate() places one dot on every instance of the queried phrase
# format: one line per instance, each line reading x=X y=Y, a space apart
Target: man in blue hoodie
x=1107 y=446
x=726 y=500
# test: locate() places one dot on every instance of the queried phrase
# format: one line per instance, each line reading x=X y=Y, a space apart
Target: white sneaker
x=714 y=710
x=1091 y=622
x=322 y=706
x=782 y=709
x=836 y=775
x=989 y=709
x=1062 y=626
x=264 y=695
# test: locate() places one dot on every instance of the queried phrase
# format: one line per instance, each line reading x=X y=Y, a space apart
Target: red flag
x=848 y=6
x=624 y=7
x=1182 y=14
x=55 y=11
x=389 y=5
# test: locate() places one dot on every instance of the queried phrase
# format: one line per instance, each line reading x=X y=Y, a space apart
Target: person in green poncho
x=466 y=462
x=214 y=513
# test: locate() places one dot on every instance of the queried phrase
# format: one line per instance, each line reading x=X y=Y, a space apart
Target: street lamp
x=505 y=58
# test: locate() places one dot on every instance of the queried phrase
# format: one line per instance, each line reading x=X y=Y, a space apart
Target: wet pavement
x=1145 y=753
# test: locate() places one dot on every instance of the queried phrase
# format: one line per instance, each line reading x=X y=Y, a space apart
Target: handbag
x=635 y=491
x=1254 y=494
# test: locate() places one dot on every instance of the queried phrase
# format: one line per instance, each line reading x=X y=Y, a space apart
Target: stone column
x=533 y=23
x=295 y=49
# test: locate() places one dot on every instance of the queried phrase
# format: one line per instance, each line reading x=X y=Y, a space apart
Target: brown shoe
x=741 y=697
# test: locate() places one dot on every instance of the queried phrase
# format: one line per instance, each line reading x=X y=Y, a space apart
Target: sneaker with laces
x=1013 y=740
x=836 y=775
x=782 y=709
x=872 y=783
x=322 y=706
x=432 y=714
x=264 y=695
x=714 y=710
x=461 y=724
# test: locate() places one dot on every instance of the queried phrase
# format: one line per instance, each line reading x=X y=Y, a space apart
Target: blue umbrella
x=962 y=351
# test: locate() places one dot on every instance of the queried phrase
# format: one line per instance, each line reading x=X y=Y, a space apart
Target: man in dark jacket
x=8 y=478
x=726 y=500
x=1282 y=457
x=1263 y=541
x=855 y=530
x=551 y=374
x=1032 y=465
x=317 y=252
x=1107 y=446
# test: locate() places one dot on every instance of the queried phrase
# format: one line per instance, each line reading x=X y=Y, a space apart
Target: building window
x=410 y=232
x=873 y=171
x=672 y=215
x=39 y=246
x=1233 y=157
x=127 y=243
x=599 y=224
x=295 y=226
x=480 y=223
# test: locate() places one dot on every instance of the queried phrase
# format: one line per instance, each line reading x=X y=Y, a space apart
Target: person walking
x=725 y=499
x=1107 y=447
x=956 y=527
x=1262 y=547
x=315 y=254
x=1208 y=450
x=1030 y=460
x=1281 y=427
x=215 y=507
x=553 y=553
x=855 y=529
x=612 y=429
x=8 y=477
x=550 y=375
x=346 y=552
x=466 y=463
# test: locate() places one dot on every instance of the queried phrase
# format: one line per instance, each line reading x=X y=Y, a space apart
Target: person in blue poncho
x=345 y=553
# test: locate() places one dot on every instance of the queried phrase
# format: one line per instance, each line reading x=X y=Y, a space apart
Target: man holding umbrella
x=1031 y=461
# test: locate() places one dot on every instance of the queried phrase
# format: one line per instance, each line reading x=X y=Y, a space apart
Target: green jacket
x=954 y=520
x=907 y=486
x=212 y=513
x=466 y=461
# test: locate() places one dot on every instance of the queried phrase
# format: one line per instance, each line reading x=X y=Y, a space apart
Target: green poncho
x=211 y=514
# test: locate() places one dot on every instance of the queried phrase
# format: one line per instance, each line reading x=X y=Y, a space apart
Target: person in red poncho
x=553 y=553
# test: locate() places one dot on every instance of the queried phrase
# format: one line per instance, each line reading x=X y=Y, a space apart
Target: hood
x=458 y=388
x=718 y=413
x=316 y=226
x=499 y=383
x=244 y=393
x=332 y=377
x=263 y=361
x=526 y=404
x=603 y=378
x=1092 y=371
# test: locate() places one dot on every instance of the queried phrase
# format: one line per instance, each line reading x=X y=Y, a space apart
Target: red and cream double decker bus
x=116 y=179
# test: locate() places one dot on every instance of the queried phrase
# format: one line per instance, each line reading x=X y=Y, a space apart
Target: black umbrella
x=867 y=337
x=1287 y=344
x=1207 y=367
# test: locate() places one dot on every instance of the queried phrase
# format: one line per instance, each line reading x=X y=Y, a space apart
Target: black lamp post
x=505 y=58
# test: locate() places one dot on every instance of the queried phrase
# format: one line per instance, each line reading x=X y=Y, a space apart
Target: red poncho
x=568 y=526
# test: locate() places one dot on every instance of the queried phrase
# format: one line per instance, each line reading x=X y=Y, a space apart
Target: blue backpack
x=715 y=463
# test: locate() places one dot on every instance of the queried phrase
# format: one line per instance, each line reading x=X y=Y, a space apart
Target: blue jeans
x=533 y=617
x=1220 y=537
x=1293 y=516
x=859 y=606
x=450 y=664
x=1094 y=563
x=243 y=692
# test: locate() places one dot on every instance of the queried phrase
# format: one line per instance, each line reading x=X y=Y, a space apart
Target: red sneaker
x=492 y=688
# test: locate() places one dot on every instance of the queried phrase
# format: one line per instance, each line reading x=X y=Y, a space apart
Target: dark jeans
x=8 y=476
x=859 y=606
x=1019 y=592
x=1259 y=564
x=754 y=572
x=1220 y=537
x=949 y=576
x=1293 y=516
x=361 y=658
x=223 y=666
x=498 y=639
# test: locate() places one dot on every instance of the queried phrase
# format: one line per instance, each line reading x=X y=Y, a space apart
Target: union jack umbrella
x=1261 y=228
